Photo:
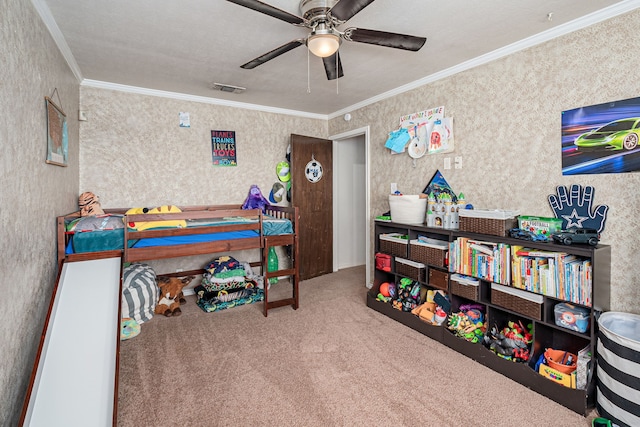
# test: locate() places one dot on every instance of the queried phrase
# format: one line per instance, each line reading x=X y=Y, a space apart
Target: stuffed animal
x=89 y=204
x=255 y=199
x=171 y=295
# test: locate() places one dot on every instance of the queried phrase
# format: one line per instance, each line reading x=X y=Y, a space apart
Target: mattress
x=105 y=240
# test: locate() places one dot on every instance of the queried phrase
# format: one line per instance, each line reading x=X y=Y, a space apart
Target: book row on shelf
x=554 y=274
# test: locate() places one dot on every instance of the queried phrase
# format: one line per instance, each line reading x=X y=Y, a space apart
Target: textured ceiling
x=186 y=46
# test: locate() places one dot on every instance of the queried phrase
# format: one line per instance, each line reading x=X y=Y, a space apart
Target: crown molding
x=202 y=99
x=561 y=30
x=46 y=16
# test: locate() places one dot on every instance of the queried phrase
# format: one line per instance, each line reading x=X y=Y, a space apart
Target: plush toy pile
x=255 y=199
x=171 y=295
x=89 y=204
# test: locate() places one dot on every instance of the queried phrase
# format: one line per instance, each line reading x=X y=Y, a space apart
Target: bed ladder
x=292 y=272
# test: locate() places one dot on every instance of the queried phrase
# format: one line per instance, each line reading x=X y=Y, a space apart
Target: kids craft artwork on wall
x=601 y=138
x=223 y=147
x=430 y=132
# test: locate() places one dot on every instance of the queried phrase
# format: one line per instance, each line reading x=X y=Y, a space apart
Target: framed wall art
x=602 y=138
x=57 y=135
x=223 y=147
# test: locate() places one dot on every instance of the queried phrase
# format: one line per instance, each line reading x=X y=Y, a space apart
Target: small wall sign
x=223 y=147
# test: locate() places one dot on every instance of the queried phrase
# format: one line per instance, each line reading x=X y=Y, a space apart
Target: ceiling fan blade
x=273 y=54
x=382 y=38
x=346 y=9
x=333 y=65
x=269 y=10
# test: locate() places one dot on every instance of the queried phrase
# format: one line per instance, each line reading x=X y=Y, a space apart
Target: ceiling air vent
x=228 y=88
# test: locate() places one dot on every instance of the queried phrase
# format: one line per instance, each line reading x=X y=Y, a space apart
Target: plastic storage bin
x=571 y=317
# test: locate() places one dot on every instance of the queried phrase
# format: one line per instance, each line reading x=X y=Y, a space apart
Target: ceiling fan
x=323 y=17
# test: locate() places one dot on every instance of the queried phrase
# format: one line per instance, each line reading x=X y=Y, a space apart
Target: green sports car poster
x=601 y=138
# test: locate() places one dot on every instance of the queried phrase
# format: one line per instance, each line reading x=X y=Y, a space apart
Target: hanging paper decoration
x=313 y=170
x=430 y=132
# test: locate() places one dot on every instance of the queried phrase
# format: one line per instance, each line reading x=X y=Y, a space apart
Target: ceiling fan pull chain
x=308 y=73
x=337 y=75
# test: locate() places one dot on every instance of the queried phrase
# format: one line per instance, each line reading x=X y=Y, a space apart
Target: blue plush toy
x=255 y=199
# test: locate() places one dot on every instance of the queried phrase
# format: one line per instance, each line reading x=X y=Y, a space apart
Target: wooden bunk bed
x=65 y=365
x=210 y=229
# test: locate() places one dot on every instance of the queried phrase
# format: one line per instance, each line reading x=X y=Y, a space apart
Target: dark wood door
x=314 y=199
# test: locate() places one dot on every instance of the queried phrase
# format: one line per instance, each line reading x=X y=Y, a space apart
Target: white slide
x=76 y=374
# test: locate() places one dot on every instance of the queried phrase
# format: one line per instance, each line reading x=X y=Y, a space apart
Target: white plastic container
x=408 y=208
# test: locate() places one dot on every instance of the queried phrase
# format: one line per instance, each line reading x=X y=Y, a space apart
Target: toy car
x=617 y=135
x=518 y=233
x=577 y=235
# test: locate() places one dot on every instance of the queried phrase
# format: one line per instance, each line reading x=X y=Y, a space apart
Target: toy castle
x=442 y=212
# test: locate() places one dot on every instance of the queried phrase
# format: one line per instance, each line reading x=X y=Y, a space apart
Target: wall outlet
x=394 y=187
x=458 y=162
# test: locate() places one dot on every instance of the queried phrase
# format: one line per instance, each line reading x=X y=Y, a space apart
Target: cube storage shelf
x=500 y=308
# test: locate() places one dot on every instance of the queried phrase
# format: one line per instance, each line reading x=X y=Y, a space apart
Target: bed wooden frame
x=104 y=405
x=261 y=241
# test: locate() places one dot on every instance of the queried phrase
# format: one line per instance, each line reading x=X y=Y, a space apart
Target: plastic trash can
x=618 y=374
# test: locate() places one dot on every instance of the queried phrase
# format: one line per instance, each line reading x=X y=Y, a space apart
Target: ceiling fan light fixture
x=323 y=43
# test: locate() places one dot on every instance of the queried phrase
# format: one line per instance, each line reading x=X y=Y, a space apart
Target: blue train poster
x=223 y=147
x=601 y=138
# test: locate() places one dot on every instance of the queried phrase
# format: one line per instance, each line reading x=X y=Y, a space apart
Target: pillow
x=145 y=225
x=97 y=222
x=140 y=292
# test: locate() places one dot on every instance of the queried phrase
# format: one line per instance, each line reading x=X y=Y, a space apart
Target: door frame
x=363 y=131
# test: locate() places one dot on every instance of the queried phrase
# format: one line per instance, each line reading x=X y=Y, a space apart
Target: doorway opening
x=351 y=201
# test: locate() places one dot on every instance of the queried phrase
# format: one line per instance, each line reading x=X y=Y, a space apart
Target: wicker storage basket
x=495 y=227
x=525 y=303
x=394 y=244
x=410 y=269
x=465 y=288
x=486 y=221
x=428 y=254
x=438 y=279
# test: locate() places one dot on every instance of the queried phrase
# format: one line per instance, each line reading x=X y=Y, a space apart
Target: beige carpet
x=332 y=362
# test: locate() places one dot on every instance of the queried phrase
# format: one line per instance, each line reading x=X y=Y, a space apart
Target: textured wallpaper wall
x=507 y=119
x=133 y=153
x=32 y=192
